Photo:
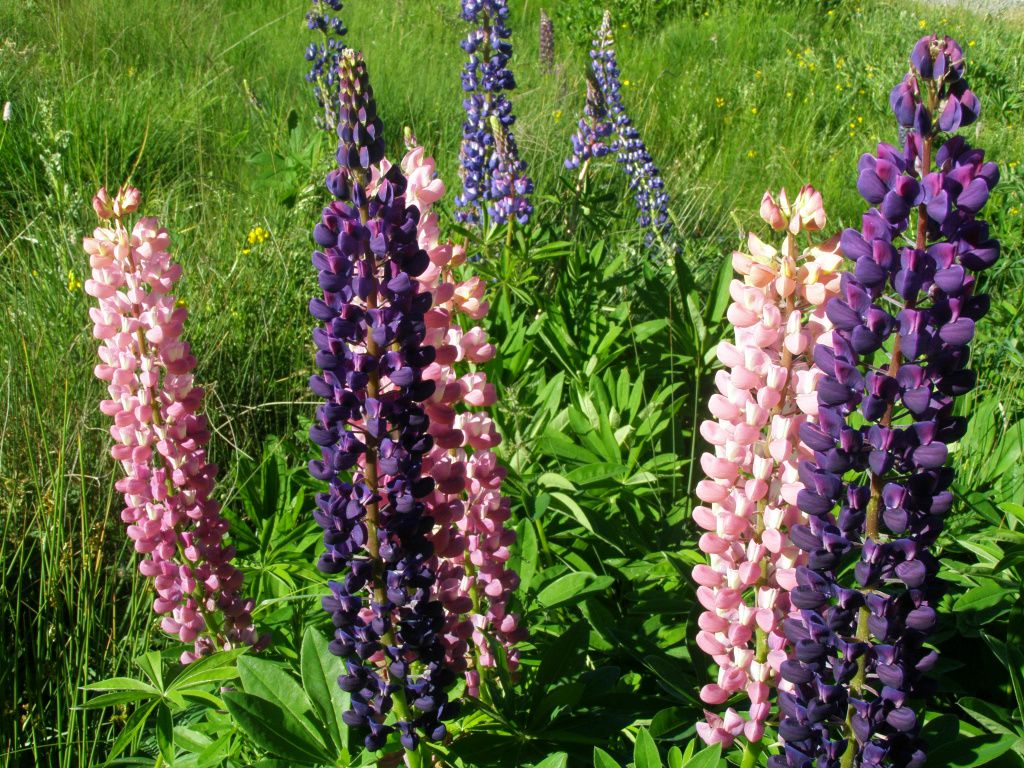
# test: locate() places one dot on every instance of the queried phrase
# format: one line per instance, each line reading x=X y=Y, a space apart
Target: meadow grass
x=203 y=104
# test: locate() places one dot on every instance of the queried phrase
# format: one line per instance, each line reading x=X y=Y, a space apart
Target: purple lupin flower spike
x=897 y=361
x=645 y=180
x=493 y=175
x=323 y=58
x=546 y=45
x=371 y=353
x=590 y=139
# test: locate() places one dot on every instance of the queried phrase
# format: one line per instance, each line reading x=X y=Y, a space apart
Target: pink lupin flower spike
x=159 y=434
x=471 y=540
x=765 y=391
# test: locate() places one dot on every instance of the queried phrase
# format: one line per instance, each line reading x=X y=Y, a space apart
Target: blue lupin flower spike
x=324 y=57
x=493 y=175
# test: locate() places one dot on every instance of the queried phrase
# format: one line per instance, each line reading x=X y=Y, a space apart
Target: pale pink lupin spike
x=159 y=434
x=765 y=391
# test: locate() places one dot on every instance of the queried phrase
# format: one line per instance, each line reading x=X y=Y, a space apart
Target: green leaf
x=572 y=587
x=675 y=758
x=165 y=733
x=214 y=754
x=575 y=510
x=120 y=684
x=981 y=597
x=275 y=729
x=965 y=752
x=557 y=760
x=528 y=554
x=216 y=667
x=595 y=473
x=711 y=757
x=270 y=681
x=565 y=657
x=320 y=671
x=117 y=697
x=131 y=729
x=554 y=480
x=645 y=751
x=719 y=302
x=603 y=760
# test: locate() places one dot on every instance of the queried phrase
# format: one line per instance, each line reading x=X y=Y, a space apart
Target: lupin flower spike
x=878 y=489
x=493 y=175
x=590 y=141
x=471 y=539
x=765 y=393
x=372 y=353
x=160 y=434
x=645 y=180
x=323 y=58
x=547 y=43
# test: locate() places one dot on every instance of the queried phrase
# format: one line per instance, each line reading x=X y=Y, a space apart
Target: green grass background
x=182 y=96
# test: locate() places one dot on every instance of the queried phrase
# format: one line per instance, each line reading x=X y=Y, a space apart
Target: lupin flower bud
x=878 y=489
x=645 y=179
x=765 y=394
x=491 y=179
x=374 y=436
x=547 y=43
x=160 y=434
x=324 y=57
x=471 y=539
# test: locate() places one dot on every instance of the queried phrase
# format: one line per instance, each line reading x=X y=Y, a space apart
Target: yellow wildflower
x=922 y=24
x=753 y=110
x=719 y=102
x=752 y=153
x=257 y=235
x=73 y=282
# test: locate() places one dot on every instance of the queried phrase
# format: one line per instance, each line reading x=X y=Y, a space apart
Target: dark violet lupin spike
x=904 y=320
x=372 y=430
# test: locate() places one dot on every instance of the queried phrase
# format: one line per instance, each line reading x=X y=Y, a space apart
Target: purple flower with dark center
x=373 y=433
x=323 y=57
x=493 y=175
x=878 y=489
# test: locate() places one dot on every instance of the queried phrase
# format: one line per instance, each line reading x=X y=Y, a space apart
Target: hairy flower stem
x=751 y=751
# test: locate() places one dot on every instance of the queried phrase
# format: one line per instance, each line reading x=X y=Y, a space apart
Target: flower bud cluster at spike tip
x=471 y=539
x=159 y=433
x=324 y=56
x=493 y=175
x=374 y=436
x=590 y=139
x=765 y=394
x=645 y=180
x=878 y=489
